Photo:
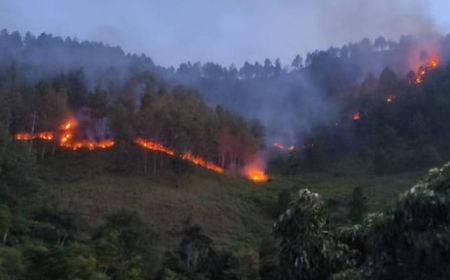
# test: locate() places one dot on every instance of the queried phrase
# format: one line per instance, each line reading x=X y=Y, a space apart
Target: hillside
x=114 y=168
x=233 y=211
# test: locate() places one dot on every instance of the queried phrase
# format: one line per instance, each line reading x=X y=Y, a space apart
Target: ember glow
x=254 y=170
x=88 y=144
x=153 y=146
x=255 y=174
x=389 y=99
x=282 y=147
x=197 y=160
x=30 y=136
x=66 y=138
x=356 y=116
x=424 y=69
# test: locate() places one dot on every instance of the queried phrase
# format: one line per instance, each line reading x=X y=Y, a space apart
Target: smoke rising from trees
x=228 y=31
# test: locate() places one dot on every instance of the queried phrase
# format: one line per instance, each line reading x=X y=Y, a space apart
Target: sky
x=226 y=31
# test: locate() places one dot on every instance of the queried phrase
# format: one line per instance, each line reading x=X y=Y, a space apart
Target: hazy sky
x=227 y=31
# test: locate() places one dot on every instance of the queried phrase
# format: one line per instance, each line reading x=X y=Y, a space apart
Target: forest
x=78 y=117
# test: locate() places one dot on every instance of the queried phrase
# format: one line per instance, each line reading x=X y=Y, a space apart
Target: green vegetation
x=130 y=213
x=408 y=241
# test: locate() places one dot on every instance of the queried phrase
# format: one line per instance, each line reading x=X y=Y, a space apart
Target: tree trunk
x=43 y=151
x=32 y=130
x=145 y=162
x=154 y=163
x=5 y=237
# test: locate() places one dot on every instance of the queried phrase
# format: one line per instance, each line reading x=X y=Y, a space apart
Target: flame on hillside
x=40 y=135
x=187 y=156
x=255 y=170
x=283 y=147
x=66 y=138
x=423 y=70
x=68 y=133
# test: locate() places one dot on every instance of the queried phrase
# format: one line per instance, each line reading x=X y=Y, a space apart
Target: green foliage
x=5 y=218
x=11 y=263
x=73 y=262
x=124 y=246
x=411 y=240
x=307 y=249
x=357 y=205
x=245 y=265
x=99 y=103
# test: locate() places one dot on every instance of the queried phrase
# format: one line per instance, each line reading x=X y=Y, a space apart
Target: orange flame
x=66 y=138
x=254 y=170
x=255 y=174
x=424 y=69
x=154 y=146
x=282 y=147
x=24 y=136
x=88 y=144
x=30 y=136
x=389 y=99
x=197 y=160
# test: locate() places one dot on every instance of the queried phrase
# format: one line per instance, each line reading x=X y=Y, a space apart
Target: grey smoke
x=225 y=31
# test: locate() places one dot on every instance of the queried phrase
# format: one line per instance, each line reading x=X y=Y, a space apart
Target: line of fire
x=77 y=133
x=71 y=136
x=415 y=78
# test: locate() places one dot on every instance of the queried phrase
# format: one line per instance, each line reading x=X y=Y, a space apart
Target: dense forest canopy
x=85 y=108
x=346 y=94
x=277 y=95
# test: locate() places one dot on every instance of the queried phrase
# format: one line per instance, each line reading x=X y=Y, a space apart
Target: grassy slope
x=231 y=210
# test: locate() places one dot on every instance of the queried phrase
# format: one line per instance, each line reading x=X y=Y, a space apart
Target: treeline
x=39 y=240
x=289 y=101
x=408 y=241
x=401 y=125
x=175 y=117
x=46 y=56
x=313 y=91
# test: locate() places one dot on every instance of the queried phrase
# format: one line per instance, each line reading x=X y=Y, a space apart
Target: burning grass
x=423 y=70
x=187 y=156
x=66 y=137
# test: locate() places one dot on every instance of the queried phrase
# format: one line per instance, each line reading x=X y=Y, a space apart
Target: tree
x=307 y=249
x=73 y=262
x=297 y=63
x=411 y=240
x=99 y=103
x=5 y=222
x=380 y=43
x=124 y=246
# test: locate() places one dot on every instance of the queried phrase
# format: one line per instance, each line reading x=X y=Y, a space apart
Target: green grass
x=231 y=210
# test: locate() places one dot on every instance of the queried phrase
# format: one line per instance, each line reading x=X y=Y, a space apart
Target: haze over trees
x=354 y=105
